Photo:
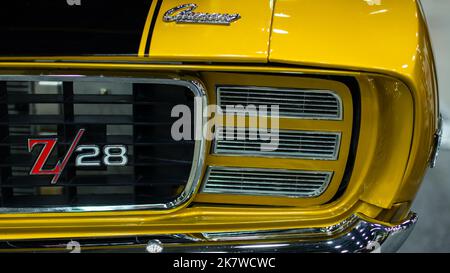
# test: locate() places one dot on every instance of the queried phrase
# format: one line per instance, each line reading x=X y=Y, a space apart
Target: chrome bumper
x=352 y=235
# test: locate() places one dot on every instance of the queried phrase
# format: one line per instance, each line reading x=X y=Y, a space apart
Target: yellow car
x=213 y=126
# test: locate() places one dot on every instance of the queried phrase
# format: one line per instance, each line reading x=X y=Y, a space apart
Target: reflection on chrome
x=352 y=235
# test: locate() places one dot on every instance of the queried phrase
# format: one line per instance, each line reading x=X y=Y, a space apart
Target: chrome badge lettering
x=184 y=14
x=88 y=155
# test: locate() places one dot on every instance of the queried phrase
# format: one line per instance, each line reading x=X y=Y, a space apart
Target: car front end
x=93 y=97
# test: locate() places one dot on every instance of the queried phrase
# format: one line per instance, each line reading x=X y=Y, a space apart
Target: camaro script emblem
x=184 y=14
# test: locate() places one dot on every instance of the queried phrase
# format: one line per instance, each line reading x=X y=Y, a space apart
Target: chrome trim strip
x=437 y=143
x=273 y=154
x=193 y=84
x=256 y=88
x=354 y=234
x=317 y=193
x=286 y=233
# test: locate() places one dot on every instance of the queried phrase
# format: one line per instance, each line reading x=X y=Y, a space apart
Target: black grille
x=127 y=112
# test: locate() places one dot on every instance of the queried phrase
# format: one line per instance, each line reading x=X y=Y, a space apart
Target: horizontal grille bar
x=281 y=143
x=92 y=181
x=296 y=103
x=81 y=119
x=123 y=139
x=80 y=99
x=267 y=182
x=27 y=160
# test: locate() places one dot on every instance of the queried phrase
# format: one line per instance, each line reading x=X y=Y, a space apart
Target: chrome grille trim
x=198 y=160
x=266 y=182
x=293 y=103
x=314 y=145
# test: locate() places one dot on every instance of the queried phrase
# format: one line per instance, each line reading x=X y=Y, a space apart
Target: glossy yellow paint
x=386 y=132
x=384 y=47
x=209 y=217
x=146 y=30
x=344 y=126
x=388 y=37
x=423 y=85
x=357 y=34
x=246 y=40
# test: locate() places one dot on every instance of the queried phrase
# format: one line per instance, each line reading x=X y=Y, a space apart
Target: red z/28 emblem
x=88 y=155
x=49 y=144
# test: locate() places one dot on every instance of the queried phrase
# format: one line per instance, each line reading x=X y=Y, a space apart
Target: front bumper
x=355 y=234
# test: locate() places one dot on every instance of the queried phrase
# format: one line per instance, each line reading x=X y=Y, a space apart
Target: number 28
x=113 y=155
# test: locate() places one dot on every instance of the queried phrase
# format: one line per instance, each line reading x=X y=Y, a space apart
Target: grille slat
x=288 y=101
x=123 y=139
x=260 y=190
x=27 y=160
x=285 y=143
x=81 y=119
x=263 y=183
x=306 y=138
x=245 y=181
x=79 y=99
x=134 y=113
x=259 y=177
x=92 y=181
x=279 y=92
x=298 y=103
x=288 y=109
x=310 y=99
x=286 y=104
x=289 y=143
x=304 y=150
x=256 y=173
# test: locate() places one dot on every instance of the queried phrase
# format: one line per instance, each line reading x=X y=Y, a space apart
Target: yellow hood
x=370 y=35
x=360 y=34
